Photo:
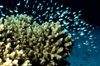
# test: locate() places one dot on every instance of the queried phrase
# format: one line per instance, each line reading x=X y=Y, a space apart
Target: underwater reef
x=25 y=43
x=41 y=33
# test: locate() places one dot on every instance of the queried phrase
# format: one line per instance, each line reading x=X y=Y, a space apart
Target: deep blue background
x=90 y=8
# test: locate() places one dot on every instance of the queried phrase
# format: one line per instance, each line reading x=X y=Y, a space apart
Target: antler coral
x=22 y=40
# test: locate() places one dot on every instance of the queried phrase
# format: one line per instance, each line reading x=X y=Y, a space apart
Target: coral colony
x=39 y=33
x=22 y=41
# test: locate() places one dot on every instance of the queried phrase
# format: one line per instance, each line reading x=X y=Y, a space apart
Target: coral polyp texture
x=24 y=42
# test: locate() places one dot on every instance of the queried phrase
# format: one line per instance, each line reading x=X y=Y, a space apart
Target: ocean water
x=85 y=51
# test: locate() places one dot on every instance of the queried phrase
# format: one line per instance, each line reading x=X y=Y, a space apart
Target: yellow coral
x=30 y=42
x=1 y=27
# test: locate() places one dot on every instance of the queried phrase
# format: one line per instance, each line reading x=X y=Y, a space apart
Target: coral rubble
x=24 y=43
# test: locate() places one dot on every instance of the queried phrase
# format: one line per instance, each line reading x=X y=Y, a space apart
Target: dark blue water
x=74 y=18
x=86 y=55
